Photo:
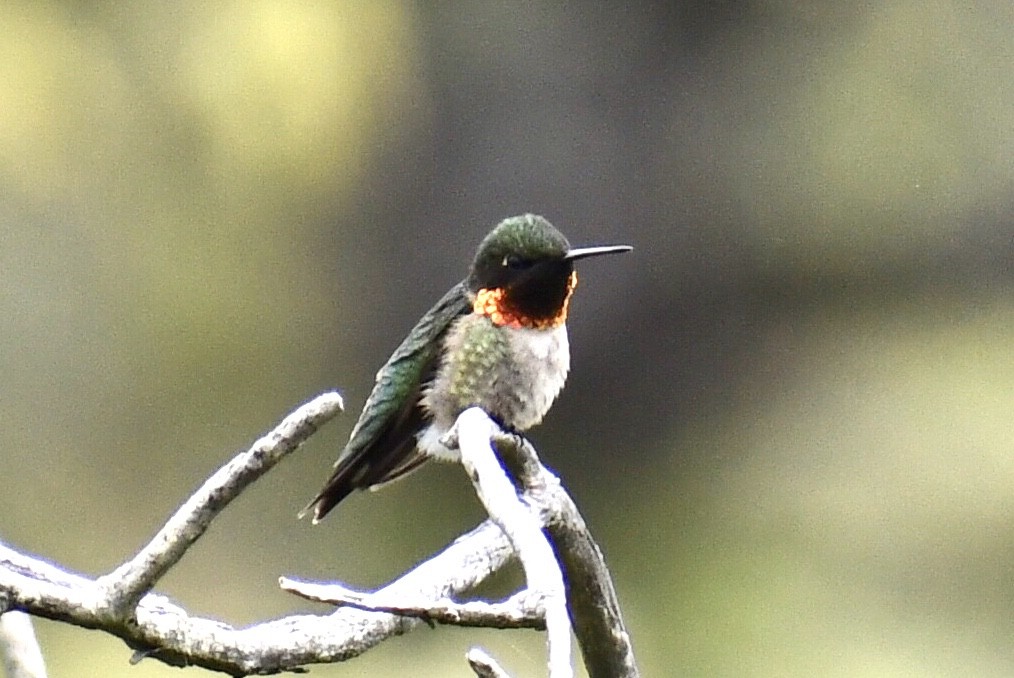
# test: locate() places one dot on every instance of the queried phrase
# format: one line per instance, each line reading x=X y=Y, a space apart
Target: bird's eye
x=514 y=262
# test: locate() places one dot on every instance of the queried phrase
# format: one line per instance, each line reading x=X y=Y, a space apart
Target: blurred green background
x=789 y=421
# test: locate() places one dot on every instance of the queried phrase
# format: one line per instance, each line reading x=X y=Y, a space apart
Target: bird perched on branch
x=496 y=340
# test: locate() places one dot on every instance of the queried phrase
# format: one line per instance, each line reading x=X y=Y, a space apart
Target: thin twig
x=517 y=612
x=484 y=665
x=131 y=580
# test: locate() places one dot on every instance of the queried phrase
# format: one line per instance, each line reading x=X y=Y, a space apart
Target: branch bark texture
x=123 y=604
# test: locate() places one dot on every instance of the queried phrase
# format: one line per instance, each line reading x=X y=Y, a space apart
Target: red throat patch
x=492 y=304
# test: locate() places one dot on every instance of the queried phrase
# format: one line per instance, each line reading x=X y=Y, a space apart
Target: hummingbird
x=496 y=340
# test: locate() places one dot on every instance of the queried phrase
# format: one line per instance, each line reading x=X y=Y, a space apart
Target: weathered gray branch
x=591 y=598
x=520 y=611
x=474 y=431
x=166 y=632
x=121 y=603
x=484 y=665
x=126 y=584
x=19 y=649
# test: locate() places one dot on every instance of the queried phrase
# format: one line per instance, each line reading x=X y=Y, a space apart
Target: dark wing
x=382 y=446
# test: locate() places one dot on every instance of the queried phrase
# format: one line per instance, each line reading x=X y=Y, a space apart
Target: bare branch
x=164 y=631
x=127 y=583
x=474 y=431
x=591 y=598
x=155 y=627
x=484 y=665
x=159 y=629
x=521 y=610
x=19 y=648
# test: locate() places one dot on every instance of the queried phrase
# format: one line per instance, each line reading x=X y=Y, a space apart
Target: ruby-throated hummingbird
x=496 y=340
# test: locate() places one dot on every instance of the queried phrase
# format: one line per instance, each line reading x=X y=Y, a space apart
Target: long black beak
x=582 y=252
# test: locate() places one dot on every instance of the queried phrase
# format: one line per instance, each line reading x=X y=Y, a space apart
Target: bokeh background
x=789 y=421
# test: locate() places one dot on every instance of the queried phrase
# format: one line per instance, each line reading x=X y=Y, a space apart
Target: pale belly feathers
x=514 y=374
